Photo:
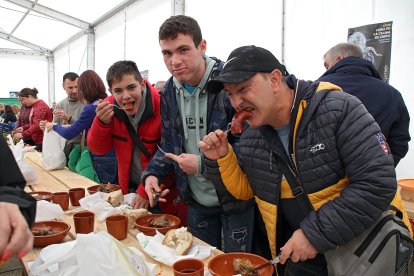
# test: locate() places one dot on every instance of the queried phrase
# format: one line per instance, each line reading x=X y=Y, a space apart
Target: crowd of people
x=340 y=137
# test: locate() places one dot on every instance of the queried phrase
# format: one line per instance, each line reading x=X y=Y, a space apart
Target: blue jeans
x=207 y=224
x=106 y=167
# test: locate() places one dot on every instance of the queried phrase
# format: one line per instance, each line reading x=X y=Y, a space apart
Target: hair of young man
x=120 y=69
x=70 y=76
x=344 y=50
x=91 y=87
x=180 y=24
x=26 y=92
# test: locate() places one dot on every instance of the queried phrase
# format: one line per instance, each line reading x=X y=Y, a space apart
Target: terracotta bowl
x=222 y=265
x=407 y=188
x=94 y=189
x=41 y=195
x=59 y=228
x=143 y=224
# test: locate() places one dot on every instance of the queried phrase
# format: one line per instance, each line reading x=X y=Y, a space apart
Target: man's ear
x=339 y=58
x=276 y=77
x=203 y=46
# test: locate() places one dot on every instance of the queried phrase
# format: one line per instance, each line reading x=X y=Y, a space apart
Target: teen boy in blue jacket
x=187 y=114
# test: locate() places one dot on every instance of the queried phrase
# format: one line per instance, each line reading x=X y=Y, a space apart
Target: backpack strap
x=134 y=135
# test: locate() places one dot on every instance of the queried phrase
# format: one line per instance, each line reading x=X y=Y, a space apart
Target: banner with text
x=375 y=43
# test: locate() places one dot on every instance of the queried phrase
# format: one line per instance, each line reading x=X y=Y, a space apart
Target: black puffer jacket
x=343 y=163
x=12 y=184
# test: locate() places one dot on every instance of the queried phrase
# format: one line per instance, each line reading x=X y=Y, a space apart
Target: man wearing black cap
x=308 y=133
x=187 y=114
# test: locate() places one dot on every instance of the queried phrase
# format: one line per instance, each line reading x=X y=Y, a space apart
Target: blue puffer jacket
x=220 y=113
x=358 y=77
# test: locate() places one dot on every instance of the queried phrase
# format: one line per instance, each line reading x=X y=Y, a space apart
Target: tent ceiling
x=28 y=24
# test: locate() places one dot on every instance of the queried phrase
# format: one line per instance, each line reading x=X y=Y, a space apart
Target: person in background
x=16 y=110
x=2 y=110
x=346 y=68
x=9 y=115
x=187 y=114
x=311 y=132
x=91 y=89
x=40 y=112
x=159 y=85
x=23 y=120
x=17 y=208
x=129 y=121
x=67 y=111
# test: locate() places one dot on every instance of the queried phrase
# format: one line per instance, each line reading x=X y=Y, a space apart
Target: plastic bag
x=91 y=254
x=18 y=151
x=53 y=156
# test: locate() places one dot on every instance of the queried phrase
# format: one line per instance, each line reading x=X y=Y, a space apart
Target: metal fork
x=161 y=149
x=113 y=105
x=271 y=262
x=228 y=128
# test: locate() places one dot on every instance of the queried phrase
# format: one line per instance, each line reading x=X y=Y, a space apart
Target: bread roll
x=133 y=215
x=116 y=198
x=179 y=239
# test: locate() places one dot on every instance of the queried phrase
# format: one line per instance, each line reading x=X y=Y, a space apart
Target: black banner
x=375 y=43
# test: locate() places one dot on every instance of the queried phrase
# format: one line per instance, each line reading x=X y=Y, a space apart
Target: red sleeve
x=141 y=191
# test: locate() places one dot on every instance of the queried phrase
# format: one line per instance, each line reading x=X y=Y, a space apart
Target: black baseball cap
x=242 y=64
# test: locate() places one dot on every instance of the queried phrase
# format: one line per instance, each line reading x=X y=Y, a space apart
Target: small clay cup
x=84 y=222
x=188 y=267
x=75 y=194
x=117 y=226
x=61 y=198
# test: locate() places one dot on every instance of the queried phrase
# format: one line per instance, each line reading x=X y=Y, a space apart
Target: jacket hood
x=354 y=65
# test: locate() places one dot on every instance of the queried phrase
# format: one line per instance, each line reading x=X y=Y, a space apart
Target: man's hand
x=15 y=236
x=152 y=187
x=214 y=145
x=139 y=202
x=18 y=130
x=297 y=248
x=49 y=126
x=17 y=136
x=105 y=112
x=187 y=162
x=42 y=125
x=60 y=113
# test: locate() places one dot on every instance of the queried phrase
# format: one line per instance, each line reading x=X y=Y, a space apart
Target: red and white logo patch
x=383 y=142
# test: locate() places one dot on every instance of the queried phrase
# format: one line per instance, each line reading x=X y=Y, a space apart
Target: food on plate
x=244 y=267
x=238 y=120
x=106 y=188
x=133 y=215
x=179 y=239
x=116 y=198
x=43 y=231
x=159 y=222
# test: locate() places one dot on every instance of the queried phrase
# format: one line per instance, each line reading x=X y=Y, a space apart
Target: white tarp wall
x=311 y=28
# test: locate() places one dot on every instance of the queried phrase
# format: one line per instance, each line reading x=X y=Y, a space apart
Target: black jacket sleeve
x=12 y=184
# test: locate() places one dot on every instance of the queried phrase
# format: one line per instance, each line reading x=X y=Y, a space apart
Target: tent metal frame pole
x=177 y=7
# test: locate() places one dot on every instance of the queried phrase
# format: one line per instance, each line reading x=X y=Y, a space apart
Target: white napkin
x=98 y=204
x=46 y=210
x=153 y=246
x=91 y=254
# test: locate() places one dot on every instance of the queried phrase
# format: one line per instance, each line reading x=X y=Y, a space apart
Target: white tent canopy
x=78 y=35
